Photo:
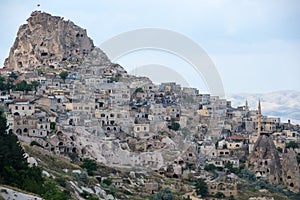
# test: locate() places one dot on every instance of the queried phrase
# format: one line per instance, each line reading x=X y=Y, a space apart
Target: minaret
x=259 y=119
x=246 y=105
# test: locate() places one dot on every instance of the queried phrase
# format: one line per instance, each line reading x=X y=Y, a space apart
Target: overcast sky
x=255 y=44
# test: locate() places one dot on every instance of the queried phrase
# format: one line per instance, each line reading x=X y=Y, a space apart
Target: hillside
x=92 y=131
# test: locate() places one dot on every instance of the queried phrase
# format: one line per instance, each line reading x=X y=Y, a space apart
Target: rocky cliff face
x=264 y=160
x=50 y=41
x=290 y=171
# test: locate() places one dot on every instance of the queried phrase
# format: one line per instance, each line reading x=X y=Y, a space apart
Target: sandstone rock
x=264 y=160
x=290 y=170
x=10 y=193
x=32 y=162
x=50 y=41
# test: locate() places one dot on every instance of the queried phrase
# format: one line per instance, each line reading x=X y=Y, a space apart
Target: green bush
x=212 y=167
x=61 y=181
x=174 y=125
x=166 y=194
x=90 y=166
x=279 y=149
x=107 y=181
x=52 y=192
x=220 y=195
x=35 y=143
x=52 y=125
x=292 y=144
x=248 y=175
x=139 y=90
x=201 y=187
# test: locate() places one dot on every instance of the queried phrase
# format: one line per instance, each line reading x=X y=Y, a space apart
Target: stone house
x=106 y=117
x=223 y=152
x=6 y=71
x=21 y=107
x=169 y=87
x=157 y=109
x=190 y=91
x=173 y=111
x=151 y=186
x=207 y=149
x=227 y=188
x=235 y=142
x=141 y=130
x=269 y=124
x=52 y=81
x=10 y=122
x=42 y=128
x=31 y=126
x=280 y=142
x=22 y=125
x=291 y=135
x=183 y=121
x=117 y=182
x=149 y=88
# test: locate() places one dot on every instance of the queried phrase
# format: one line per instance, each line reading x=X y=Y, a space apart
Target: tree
x=139 y=90
x=212 y=167
x=13 y=76
x=232 y=169
x=166 y=194
x=231 y=197
x=63 y=75
x=292 y=144
x=11 y=153
x=174 y=125
x=279 y=149
x=3 y=84
x=14 y=168
x=220 y=195
x=23 y=86
x=201 y=187
x=89 y=165
x=52 y=125
x=248 y=175
x=51 y=192
x=35 y=84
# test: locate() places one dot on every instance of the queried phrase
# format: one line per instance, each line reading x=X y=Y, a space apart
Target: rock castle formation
x=50 y=41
